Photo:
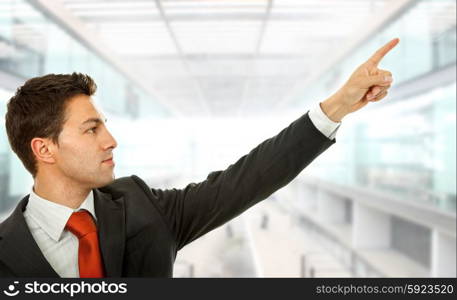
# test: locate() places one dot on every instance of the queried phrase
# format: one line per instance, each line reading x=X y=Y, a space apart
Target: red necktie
x=90 y=262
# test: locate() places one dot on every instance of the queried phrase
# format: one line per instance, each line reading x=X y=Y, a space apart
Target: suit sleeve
x=201 y=207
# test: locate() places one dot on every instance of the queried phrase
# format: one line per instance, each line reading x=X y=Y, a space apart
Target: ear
x=43 y=149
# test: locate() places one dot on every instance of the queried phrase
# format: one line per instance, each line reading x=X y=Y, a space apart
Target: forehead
x=80 y=108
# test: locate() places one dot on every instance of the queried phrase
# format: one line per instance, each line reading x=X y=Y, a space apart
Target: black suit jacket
x=141 y=229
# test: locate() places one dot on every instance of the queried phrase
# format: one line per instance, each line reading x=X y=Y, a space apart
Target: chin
x=103 y=182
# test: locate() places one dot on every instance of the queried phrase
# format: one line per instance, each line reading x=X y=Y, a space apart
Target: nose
x=109 y=142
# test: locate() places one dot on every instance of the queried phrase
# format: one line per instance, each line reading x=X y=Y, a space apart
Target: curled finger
x=379 y=96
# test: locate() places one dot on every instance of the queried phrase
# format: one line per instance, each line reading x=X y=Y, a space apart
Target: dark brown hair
x=38 y=110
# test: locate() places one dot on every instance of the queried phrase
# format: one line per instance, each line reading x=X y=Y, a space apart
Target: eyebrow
x=93 y=120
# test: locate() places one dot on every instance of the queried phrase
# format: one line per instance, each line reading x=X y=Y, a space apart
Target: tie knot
x=81 y=223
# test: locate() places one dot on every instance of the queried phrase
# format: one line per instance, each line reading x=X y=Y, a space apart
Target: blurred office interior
x=189 y=86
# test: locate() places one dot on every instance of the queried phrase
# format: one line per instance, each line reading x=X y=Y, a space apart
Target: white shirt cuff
x=322 y=122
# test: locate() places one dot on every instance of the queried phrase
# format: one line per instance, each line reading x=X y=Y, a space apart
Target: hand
x=367 y=83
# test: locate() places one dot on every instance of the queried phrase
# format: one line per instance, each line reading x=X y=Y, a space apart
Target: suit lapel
x=18 y=249
x=111 y=231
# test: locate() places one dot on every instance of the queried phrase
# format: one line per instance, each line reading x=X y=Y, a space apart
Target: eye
x=92 y=130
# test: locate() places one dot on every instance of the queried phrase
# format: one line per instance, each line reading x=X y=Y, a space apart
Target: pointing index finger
x=378 y=55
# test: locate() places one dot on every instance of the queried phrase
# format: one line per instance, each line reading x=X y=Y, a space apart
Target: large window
x=406 y=146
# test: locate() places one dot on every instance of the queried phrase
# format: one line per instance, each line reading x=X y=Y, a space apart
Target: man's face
x=84 y=152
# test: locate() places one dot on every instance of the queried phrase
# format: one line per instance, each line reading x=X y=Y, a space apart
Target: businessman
x=78 y=221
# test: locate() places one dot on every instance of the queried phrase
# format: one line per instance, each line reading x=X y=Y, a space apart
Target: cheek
x=77 y=154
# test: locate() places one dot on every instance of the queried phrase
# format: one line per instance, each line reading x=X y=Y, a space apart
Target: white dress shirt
x=322 y=122
x=46 y=221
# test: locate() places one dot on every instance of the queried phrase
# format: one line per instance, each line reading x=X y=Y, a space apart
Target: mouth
x=109 y=161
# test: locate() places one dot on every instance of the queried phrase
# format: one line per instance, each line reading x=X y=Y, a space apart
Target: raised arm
x=201 y=207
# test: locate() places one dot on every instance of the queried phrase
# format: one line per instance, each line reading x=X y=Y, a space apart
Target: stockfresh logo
x=11 y=290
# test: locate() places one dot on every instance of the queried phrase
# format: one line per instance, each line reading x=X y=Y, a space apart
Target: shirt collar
x=52 y=217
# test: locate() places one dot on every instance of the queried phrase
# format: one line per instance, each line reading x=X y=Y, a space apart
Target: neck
x=60 y=190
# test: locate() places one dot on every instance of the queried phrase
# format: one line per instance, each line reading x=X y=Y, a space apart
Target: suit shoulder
x=11 y=218
x=125 y=185
x=3 y=223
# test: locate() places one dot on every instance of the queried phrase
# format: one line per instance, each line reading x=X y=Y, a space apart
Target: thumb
x=380 y=79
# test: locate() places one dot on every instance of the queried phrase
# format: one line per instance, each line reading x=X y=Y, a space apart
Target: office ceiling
x=225 y=57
